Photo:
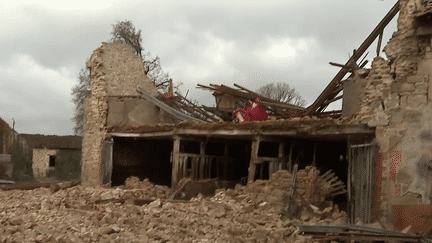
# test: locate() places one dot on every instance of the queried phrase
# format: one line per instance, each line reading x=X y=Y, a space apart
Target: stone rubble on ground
x=251 y=213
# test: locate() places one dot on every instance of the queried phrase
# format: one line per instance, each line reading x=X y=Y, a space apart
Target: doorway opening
x=141 y=157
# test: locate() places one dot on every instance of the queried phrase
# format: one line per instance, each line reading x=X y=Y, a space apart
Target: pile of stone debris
x=251 y=213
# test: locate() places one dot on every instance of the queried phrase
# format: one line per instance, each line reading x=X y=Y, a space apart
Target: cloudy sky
x=44 y=45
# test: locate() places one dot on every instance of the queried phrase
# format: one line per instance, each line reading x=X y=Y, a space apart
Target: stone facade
x=115 y=72
x=396 y=99
x=41 y=162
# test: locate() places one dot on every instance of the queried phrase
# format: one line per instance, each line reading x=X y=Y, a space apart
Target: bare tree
x=282 y=92
x=125 y=32
x=80 y=93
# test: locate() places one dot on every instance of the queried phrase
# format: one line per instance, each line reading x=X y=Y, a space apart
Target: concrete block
x=416 y=101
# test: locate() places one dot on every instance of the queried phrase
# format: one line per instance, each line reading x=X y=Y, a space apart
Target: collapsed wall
x=95 y=121
x=396 y=99
x=115 y=72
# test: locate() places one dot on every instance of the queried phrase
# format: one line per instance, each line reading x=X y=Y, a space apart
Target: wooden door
x=361 y=177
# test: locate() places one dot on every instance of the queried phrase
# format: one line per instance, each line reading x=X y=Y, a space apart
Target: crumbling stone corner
x=95 y=122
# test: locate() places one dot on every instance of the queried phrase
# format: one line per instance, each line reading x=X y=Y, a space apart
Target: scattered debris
x=355 y=232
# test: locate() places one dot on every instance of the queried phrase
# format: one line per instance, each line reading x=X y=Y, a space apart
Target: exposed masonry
x=41 y=162
x=396 y=99
x=116 y=72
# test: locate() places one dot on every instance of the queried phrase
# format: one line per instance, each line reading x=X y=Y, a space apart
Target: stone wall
x=116 y=71
x=41 y=162
x=95 y=121
x=396 y=99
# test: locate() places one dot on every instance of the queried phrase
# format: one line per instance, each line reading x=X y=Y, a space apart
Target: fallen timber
x=54 y=186
x=358 y=233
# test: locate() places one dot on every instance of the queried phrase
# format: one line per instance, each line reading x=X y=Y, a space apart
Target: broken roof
x=52 y=141
x=294 y=127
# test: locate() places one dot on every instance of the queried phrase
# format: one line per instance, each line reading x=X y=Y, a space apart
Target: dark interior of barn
x=152 y=158
x=144 y=158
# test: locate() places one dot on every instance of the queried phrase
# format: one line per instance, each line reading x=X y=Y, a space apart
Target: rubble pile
x=145 y=189
x=273 y=194
x=251 y=213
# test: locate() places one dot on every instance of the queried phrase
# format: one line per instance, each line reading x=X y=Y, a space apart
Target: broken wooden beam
x=333 y=100
x=350 y=68
x=357 y=54
x=254 y=158
x=175 y=163
x=200 y=109
x=166 y=107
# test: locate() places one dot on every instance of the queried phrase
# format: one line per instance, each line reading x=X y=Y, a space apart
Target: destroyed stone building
x=378 y=145
x=46 y=150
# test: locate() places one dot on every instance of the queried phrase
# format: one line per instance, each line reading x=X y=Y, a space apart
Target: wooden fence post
x=254 y=159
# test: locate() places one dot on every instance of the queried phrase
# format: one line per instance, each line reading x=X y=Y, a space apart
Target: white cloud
x=34 y=89
x=278 y=51
x=218 y=50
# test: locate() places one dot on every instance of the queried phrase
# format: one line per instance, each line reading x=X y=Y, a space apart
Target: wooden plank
x=333 y=100
x=267 y=106
x=259 y=160
x=190 y=155
x=281 y=155
x=192 y=112
x=185 y=167
x=175 y=164
x=251 y=97
x=166 y=107
x=200 y=109
x=379 y=43
x=342 y=66
x=201 y=163
x=254 y=156
x=290 y=158
x=202 y=159
x=180 y=169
